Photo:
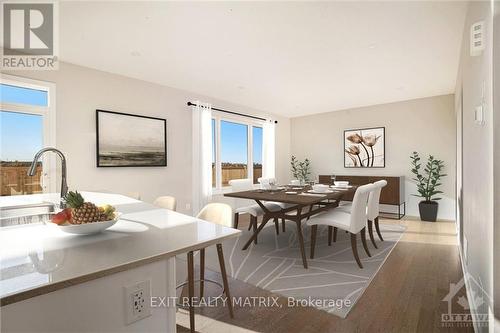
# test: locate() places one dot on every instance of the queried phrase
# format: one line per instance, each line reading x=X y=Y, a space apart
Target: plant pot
x=428 y=210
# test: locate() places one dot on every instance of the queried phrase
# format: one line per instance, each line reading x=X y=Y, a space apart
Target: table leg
x=300 y=236
x=265 y=219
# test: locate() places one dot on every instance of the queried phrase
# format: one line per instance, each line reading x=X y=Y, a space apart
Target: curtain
x=202 y=155
x=268 y=150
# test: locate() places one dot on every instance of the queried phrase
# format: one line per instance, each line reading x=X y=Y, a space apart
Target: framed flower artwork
x=364 y=148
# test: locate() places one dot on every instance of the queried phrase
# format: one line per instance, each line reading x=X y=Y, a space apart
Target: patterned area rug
x=333 y=282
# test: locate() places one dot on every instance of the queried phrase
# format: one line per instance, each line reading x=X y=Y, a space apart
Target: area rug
x=333 y=282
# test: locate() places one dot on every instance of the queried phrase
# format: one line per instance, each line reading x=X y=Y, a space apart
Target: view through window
x=22 y=135
x=240 y=155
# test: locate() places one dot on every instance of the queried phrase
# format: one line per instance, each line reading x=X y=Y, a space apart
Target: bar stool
x=221 y=214
x=166 y=202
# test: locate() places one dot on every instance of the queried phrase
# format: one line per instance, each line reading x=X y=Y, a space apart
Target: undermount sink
x=26 y=213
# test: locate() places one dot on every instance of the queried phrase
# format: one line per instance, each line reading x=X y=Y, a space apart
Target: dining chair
x=265 y=183
x=241 y=206
x=372 y=210
x=166 y=202
x=221 y=214
x=353 y=222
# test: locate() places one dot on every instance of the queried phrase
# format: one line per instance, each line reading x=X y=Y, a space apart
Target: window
x=27 y=125
x=236 y=150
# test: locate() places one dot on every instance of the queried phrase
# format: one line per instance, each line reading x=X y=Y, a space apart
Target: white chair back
x=266 y=182
x=218 y=213
x=374 y=200
x=134 y=195
x=358 y=210
x=166 y=202
x=240 y=185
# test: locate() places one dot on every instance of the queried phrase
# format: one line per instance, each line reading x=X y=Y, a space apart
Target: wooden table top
x=296 y=199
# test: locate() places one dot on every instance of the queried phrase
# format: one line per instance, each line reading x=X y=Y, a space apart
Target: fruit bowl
x=81 y=217
x=86 y=228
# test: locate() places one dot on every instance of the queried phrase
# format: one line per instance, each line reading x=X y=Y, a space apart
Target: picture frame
x=364 y=148
x=130 y=140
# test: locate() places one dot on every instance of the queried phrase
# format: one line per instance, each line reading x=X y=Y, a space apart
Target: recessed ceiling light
x=240 y=87
x=372 y=46
x=135 y=54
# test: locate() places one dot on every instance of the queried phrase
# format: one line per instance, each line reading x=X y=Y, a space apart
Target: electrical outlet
x=188 y=206
x=137 y=301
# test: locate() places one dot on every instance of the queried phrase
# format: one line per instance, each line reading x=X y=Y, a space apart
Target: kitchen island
x=53 y=281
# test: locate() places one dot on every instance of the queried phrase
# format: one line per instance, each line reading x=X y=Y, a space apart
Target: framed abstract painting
x=364 y=148
x=128 y=140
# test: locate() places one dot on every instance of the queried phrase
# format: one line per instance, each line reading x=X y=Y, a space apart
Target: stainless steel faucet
x=64 y=185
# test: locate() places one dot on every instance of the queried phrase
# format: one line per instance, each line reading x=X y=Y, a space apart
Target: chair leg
x=253 y=222
x=236 y=218
x=314 y=229
x=370 y=232
x=355 y=250
x=334 y=234
x=378 y=229
x=363 y=240
x=330 y=235
x=191 y=290
x=277 y=225
x=202 y=272
x=224 y=280
x=283 y=224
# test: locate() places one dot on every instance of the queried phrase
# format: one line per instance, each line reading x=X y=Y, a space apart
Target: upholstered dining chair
x=353 y=222
x=372 y=210
x=242 y=206
x=166 y=202
x=218 y=213
x=265 y=183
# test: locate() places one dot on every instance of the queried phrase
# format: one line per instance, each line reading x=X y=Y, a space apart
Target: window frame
x=250 y=123
x=48 y=114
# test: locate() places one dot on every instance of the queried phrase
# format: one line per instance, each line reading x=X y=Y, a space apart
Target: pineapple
x=83 y=212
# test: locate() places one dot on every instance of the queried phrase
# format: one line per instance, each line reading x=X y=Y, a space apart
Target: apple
x=59 y=218
x=62 y=217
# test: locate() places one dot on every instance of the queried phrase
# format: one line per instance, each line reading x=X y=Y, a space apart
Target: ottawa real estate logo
x=29 y=36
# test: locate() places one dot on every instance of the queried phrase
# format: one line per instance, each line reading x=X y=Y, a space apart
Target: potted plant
x=427 y=184
x=301 y=169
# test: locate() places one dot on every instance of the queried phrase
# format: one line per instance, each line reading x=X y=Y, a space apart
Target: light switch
x=479 y=115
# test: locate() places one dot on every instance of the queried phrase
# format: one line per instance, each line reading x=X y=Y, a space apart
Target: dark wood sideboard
x=393 y=194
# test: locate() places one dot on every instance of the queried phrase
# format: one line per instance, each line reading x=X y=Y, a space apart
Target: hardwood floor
x=405 y=295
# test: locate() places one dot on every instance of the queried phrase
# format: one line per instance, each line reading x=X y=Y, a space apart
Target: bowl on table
x=320 y=188
x=86 y=228
x=341 y=183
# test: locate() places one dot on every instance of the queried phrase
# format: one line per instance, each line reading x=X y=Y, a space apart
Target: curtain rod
x=231 y=112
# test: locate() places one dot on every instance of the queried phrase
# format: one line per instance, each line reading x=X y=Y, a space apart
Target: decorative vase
x=428 y=210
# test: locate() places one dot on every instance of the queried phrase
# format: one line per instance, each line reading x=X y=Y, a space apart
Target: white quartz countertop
x=38 y=258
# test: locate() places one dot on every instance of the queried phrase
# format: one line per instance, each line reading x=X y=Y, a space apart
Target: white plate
x=341 y=187
x=290 y=192
x=320 y=192
x=86 y=228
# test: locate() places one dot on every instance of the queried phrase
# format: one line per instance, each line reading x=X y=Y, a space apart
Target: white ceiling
x=288 y=58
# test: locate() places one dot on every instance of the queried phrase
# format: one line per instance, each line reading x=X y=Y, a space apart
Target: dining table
x=302 y=203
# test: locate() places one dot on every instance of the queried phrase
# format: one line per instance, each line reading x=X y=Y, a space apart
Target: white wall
x=80 y=91
x=475 y=80
x=425 y=125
